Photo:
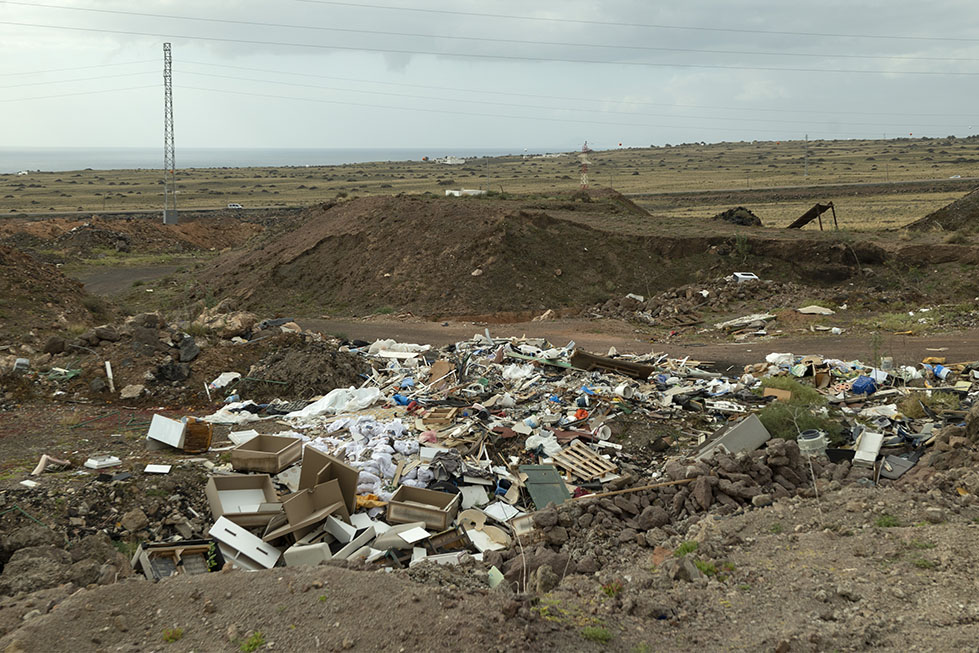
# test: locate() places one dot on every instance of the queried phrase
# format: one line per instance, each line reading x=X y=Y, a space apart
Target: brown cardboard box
x=246 y=499
x=436 y=509
x=269 y=454
x=319 y=467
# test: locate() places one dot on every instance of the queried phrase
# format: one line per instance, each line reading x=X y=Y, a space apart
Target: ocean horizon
x=56 y=159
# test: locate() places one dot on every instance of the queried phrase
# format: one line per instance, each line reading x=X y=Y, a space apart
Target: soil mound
x=125 y=234
x=739 y=216
x=304 y=371
x=432 y=257
x=38 y=297
x=961 y=213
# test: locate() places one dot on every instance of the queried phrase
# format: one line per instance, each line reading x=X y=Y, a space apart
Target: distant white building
x=23 y=172
x=465 y=192
x=450 y=161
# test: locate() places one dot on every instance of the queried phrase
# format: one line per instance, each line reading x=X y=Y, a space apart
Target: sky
x=544 y=75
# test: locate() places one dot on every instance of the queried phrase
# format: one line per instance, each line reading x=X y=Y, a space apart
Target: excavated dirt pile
x=431 y=256
x=739 y=216
x=62 y=237
x=38 y=298
x=305 y=370
x=960 y=214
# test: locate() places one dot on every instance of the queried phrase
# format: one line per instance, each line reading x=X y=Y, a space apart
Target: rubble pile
x=685 y=306
x=739 y=216
x=150 y=359
x=87 y=238
x=38 y=298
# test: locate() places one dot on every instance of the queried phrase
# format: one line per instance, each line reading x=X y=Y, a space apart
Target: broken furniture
x=241 y=548
x=269 y=454
x=746 y=435
x=318 y=467
x=160 y=560
x=248 y=500
x=436 y=509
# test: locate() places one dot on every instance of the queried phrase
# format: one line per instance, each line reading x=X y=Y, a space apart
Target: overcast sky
x=541 y=75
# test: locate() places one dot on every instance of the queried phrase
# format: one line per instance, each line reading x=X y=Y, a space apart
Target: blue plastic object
x=863 y=385
x=401 y=400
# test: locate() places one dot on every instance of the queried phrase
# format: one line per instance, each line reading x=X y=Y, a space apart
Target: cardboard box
x=246 y=499
x=318 y=467
x=305 y=510
x=436 y=509
x=269 y=454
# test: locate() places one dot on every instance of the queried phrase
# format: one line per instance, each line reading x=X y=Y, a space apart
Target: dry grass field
x=687 y=168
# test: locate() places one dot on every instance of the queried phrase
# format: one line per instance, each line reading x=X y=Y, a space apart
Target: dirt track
x=598 y=336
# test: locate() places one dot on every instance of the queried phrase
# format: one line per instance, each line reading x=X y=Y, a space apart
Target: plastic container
x=812 y=443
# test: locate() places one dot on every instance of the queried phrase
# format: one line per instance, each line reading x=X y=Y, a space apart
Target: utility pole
x=169 y=166
x=807 y=155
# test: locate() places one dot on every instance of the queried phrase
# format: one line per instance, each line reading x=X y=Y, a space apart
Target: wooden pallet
x=583 y=462
x=439 y=417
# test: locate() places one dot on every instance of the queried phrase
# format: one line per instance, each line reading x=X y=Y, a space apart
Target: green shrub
x=596 y=634
x=685 y=548
x=786 y=421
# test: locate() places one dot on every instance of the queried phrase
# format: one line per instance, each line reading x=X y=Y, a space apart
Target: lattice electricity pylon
x=169 y=164
x=583 y=157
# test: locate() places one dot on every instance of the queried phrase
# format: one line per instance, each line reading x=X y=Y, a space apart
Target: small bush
x=775 y=529
x=685 y=548
x=255 y=641
x=786 y=421
x=910 y=406
x=925 y=563
x=706 y=568
x=804 y=395
x=171 y=635
x=887 y=521
x=596 y=634
x=612 y=588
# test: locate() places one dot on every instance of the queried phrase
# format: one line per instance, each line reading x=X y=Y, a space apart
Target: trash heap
x=687 y=305
x=448 y=455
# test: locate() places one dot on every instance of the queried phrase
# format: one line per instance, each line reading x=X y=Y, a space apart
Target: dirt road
x=598 y=336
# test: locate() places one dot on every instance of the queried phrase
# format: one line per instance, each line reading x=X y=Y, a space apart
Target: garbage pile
x=685 y=306
x=443 y=456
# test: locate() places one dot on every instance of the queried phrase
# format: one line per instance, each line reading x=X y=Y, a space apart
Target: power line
x=578 y=99
x=64 y=70
x=77 y=79
x=61 y=95
x=227 y=21
x=550 y=108
x=483 y=115
x=734 y=30
x=502 y=57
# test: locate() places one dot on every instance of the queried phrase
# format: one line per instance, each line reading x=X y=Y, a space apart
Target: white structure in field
x=465 y=192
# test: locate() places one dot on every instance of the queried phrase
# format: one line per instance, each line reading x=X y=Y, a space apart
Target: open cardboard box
x=268 y=454
x=246 y=499
x=410 y=504
x=318 y=467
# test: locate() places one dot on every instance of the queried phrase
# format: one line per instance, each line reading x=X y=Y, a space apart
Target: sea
x=58 y=159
